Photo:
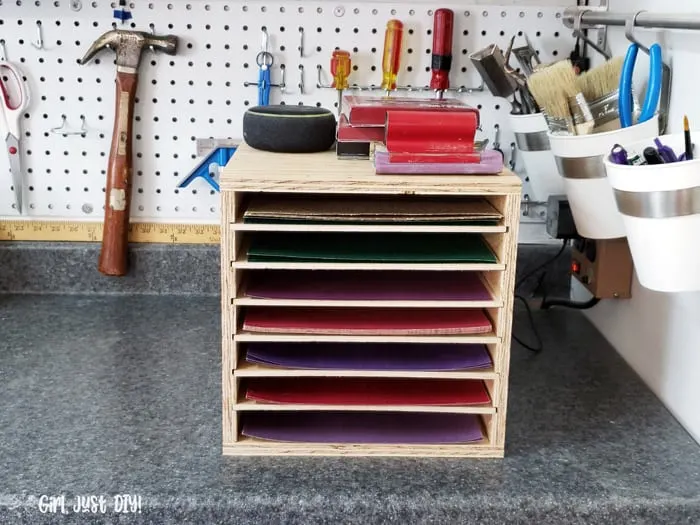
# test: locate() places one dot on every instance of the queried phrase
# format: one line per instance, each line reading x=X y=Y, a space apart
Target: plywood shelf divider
x=249 y=337
x=250 y=301
x=247 y=405
x=253 y=227
x=251 y=172
x=247 y=446
x=246 y=369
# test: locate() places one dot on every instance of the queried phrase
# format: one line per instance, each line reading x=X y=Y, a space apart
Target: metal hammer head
x=128 y=46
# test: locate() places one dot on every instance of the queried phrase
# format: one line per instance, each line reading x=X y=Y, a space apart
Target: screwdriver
x=392 y=55
x=340 y=69
x=443 y=24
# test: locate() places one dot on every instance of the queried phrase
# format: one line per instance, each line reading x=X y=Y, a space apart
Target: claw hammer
x=128 y=46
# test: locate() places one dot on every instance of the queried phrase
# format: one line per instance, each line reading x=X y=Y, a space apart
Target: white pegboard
x=200 y=93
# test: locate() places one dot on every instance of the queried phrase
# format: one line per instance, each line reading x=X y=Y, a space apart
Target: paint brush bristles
x=601 y=80
x=549 y=93
x=552 y=87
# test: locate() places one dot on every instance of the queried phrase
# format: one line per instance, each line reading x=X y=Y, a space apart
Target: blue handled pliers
x=659 y=79
x=653 y=94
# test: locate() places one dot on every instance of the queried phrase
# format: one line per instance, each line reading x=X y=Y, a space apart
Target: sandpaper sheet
x=368 y=285
x=370 y=356
x=369 y=209
x=491 y=163
x=363 y=427
x=374 y=247
x=367 y=321
x=367 y=391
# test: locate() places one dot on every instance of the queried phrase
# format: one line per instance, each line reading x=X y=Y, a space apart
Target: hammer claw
x=106 y=40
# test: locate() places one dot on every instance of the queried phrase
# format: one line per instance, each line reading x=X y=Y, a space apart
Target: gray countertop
x=121 y=395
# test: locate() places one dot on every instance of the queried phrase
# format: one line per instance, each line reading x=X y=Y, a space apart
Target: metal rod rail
x=593 y=18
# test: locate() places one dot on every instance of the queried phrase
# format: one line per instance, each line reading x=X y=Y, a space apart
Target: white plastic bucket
x=660 y=206
x=534 y=149
x=580 y=163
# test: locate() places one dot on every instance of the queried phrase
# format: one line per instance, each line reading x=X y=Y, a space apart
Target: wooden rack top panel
x=254 y=170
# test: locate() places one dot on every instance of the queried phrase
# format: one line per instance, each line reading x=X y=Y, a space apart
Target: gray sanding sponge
x=289 y=129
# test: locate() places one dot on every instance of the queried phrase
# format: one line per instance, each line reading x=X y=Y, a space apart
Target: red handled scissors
x=10 y=114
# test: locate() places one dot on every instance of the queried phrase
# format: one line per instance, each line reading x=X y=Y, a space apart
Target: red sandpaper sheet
x=372 y=285
x=366 y=391
x=393 y=428
x=371 y=111
x=422 y=132
x=366 y=321
x=491 y=164
x=348 y=133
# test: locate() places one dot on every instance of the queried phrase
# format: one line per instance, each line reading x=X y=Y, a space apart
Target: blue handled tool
x=653 y=94
x=212 y=162
x=659 y=85
x=264 y=60
x=263 y=78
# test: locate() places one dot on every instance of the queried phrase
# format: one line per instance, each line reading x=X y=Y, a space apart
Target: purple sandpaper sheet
x=373 y=285
x=363 y=427
x=370 y=356
x=491 y=163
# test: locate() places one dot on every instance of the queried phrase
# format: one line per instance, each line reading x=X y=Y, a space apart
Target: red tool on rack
x=443 y=25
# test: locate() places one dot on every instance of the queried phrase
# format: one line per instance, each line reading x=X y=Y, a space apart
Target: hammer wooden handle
x=115 y=239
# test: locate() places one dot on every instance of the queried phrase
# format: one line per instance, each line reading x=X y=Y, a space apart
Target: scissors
x=657 y=77
x=264 y=60
x=10 y=116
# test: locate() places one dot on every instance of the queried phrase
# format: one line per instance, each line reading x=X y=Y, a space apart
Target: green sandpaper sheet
x=369 y=210
x=371 y=248
x=257 y=220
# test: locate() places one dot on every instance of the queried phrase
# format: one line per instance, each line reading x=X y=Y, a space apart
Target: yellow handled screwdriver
x=340 y=69
x=392 y=55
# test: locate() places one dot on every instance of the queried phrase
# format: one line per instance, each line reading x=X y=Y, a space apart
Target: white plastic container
x=534 y=150
x=660 y=207
x=580 y=163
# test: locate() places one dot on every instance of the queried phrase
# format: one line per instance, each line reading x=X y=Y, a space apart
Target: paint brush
x=555 y=91
x=688 y=142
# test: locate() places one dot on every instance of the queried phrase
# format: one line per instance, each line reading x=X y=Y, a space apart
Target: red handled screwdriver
x=443 y=25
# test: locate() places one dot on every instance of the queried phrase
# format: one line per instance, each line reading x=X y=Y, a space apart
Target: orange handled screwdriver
x=392 y=54
x=340 y=69
x=443 y=24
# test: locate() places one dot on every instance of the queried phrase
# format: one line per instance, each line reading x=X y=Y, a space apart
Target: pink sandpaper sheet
x=371 y=285
x=370 y=356
x=394 y=428
x=491 y=163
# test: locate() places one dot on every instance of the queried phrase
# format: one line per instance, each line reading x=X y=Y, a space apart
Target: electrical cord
x=549 y=261
x=528 y=309
x=540 y=346
x=566 y=303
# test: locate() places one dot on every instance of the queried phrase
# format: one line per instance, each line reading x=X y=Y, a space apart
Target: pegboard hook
x=301 y=42
x=39 y=44
x=3 y=51
x=578 y=33
x=301 y=79
x=153 y=32
x=319 y=79
x=63 y=128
